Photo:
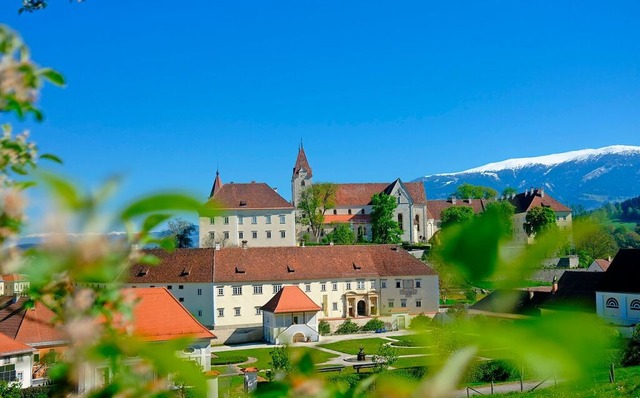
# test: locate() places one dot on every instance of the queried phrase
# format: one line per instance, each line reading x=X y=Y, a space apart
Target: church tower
x=301 y=178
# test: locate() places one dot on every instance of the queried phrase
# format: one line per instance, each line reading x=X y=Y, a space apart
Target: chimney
x=217 y=246
x=469 y=200
x=541 y=193
x=554 y=286
x=275 y=189
x=526 y=192
x=453 y=200
x=244 y=244
x=530 y=294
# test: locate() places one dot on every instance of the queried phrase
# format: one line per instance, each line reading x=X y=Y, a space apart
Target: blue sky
x=165 y=92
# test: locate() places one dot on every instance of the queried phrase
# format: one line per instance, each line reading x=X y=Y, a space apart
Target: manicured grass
x=410 y=362
x=415 y=340
x=352 y=346
x=263 y=357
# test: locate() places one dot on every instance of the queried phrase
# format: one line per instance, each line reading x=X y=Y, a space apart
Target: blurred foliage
x=631 y=354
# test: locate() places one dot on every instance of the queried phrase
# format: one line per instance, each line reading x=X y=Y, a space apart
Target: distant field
x=617 y=223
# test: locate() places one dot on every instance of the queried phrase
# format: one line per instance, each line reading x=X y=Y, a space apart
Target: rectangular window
x=403 y=303
x=212 y=235
x=373 y=284
x=258 y=311
x=220 y=312
x=268 y=234
x=226 y=220
x=240 y=235
x=418 y=303
x=360 y=285
x=225 y=234
x=334 y=286
x=418 y=283
x=254 y=234
x=323 y=287
x=307 y=287
x=199 y=292
x=199 y=312
x=236 y=311
x=283 y=220
x=348 y=286
x=398 y=283
x=407 y=283
x=181 y=299
x=169 y=287
x=276 y=288
x=283 y=234
x=237 y=290
x=257 y=289
x=212 y=220
x=335 y=306
x=180 y=287
x=221 y=291
x=390 y=303
x=383 y=284
x=254 y=219
x=267 y=219
x=240 y=220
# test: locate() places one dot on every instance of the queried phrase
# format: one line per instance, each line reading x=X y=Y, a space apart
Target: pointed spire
x=302 y=163
x=217 y=184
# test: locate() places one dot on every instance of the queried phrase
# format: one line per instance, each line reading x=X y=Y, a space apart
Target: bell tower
x=302 y=176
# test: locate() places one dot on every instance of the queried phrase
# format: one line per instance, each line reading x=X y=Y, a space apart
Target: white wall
x=23 y=366
x=627 y=313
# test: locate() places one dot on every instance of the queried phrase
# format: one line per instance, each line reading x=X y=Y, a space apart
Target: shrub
x=324 y=328
x=36 y=392
x=347 y=327
x=631 y=354
x=420 y=322
x=470 y=294
x=495 y=370
x=385 y=357
x=373 y=325
x=231 y=359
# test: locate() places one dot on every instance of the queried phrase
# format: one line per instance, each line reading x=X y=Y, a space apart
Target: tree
x=181 y=231
x=508 y=191
x=385 y=357
x=539 y=219
x=456 y=215
x=314 y=202
x=384 y=229
x=504 y=211
x=468 y=191
x=594 y=242
x=342 y=234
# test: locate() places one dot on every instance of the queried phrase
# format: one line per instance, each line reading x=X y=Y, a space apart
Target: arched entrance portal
x=362 y=308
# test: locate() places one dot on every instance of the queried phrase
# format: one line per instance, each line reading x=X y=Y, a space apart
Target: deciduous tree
x=539 y=219
x=181 y=231
x=342 y=234
x=505 y=211
x=468 y=191
x=456 y=215
x=384 y=229
x=314 y=202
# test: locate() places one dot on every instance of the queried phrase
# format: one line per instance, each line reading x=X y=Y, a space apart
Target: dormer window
x=356 y=266
x=143 y=272
x=290 y=269
x=243 y=203
x=240 y=269
x=185 y=272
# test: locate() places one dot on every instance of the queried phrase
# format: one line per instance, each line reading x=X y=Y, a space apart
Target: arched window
x=302 y=183
x=635 y=305
x=417 y=221
x=612 y=303
x=400 y=221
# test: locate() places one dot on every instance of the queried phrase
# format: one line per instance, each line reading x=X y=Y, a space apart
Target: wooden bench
x=363 y=366
x=337 y=368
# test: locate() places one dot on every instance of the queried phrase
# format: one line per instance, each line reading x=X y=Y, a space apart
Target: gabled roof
x=623 y=274
x=301 y=163
x=254 y=195
x=511 y=302
x=158 y=316
x=602 y=263
x=217 y=184
x=290 y=299
x=436 y=207
x=30 y=326
x=359 y=194
x=576 y=291
x=315 y=262
x=179 y=266
x=524 y=202
x=14 y=278
x=9 y=346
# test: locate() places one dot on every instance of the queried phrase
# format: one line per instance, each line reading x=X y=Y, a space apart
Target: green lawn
x=370 y=345
x=263 y=357
x=411 y=362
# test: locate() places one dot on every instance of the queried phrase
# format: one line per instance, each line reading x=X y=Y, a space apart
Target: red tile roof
x=158 y=316
x=290 y=299
x=180 y=266
x=254 y=195
x=360 y=194
x=9 y=346
x=315 y=262
x=524 y=202
x=603 y=264
x=302 y=162
x=34 y=326
x=13 y=278
x=347 y=218
x=436 y=207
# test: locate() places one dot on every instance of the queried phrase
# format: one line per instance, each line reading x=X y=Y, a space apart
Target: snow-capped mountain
x=589 y=177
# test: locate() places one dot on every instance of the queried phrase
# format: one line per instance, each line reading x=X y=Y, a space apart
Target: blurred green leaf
x=52 y=157
x=65 y=191
x=160 y=203
x=53 y=76
x=153 y=221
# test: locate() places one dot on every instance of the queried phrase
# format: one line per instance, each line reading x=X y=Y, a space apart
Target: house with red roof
x=353 y=203
x=157 y=316
x=252 y=214
x=290 y=317
x=16 y=360
x=226 y=289
x=13 y=285
x=599 y=265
